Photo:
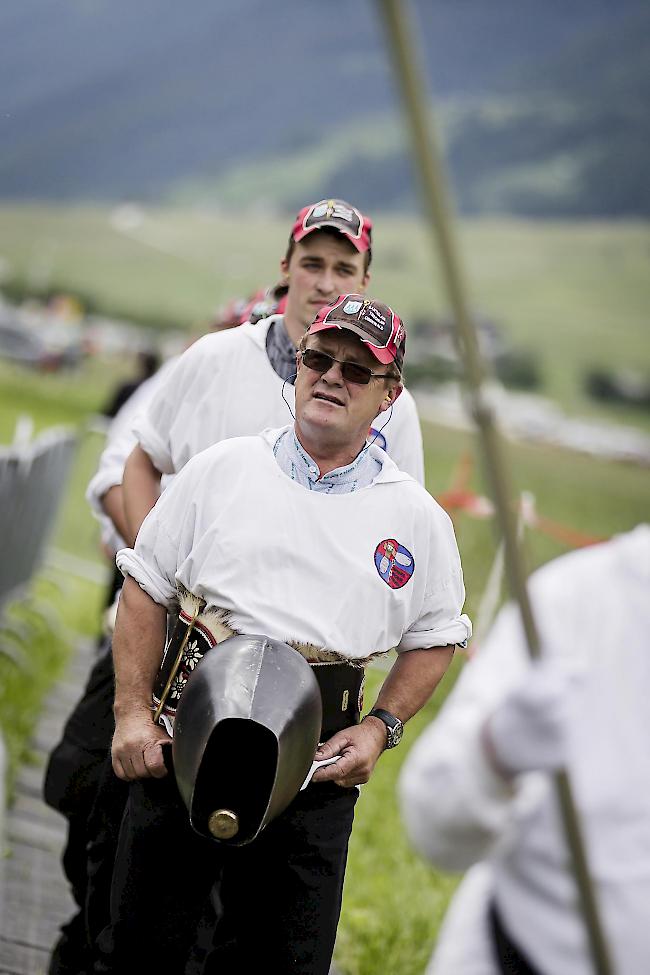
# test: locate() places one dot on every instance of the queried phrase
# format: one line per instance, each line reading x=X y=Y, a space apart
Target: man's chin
x=328 y=410
x=321 y=415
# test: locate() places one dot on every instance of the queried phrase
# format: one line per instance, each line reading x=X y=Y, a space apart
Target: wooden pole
x=437 y=200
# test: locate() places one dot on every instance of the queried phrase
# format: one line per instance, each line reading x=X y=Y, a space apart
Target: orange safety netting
x=460 y=497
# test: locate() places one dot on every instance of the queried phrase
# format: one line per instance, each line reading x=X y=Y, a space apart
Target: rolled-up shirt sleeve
x=152 y=563
x=110 y=471
x=120 y=442
x=166 y=537
x=441 y=621
x=174 y=399
x=447 y=631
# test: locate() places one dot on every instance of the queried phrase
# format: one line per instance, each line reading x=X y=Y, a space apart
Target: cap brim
x=382 y=355
x=357 y=242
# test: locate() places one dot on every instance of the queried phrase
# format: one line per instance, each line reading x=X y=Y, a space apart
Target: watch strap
x=394 y=726
x=389 y=719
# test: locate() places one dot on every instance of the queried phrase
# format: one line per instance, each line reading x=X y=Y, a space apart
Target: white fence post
x=32 y=479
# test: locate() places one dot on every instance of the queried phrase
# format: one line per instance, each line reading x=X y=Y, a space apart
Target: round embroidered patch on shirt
x=394 y=563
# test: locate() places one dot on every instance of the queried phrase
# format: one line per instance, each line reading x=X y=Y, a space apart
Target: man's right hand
x=137 y=749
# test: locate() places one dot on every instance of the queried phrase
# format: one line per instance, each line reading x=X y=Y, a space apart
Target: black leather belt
x=341 y=688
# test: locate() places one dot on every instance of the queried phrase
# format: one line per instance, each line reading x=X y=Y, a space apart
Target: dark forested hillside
x=543 y=102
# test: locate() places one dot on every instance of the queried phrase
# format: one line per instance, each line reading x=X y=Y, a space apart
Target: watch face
x=395 y=735
x=394 y=727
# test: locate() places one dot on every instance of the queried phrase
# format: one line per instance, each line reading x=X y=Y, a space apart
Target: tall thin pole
x=441 y=224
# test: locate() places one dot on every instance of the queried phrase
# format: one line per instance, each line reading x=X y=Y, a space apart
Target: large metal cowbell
x=247 y=725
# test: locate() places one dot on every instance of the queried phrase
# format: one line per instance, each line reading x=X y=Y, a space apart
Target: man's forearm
x=412 y=680
x=112 y=503
x=138 y=645
x=141 y=490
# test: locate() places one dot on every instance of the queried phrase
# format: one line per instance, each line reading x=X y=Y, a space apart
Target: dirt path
x=36 y=895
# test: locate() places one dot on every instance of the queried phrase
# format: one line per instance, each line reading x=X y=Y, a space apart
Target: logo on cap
x=334 y=211
x=376 y=320
x=338 y=215
x=394 y=563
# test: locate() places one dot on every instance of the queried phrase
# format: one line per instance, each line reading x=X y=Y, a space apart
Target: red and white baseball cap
x=265 y=302
x=375 y=323
x=340 y=216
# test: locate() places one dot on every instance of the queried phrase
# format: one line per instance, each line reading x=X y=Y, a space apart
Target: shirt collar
x=377 y=468
x=309 y=468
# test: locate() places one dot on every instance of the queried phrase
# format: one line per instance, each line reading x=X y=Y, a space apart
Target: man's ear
x=284 y=268
x=364 y=283
x=390 y=396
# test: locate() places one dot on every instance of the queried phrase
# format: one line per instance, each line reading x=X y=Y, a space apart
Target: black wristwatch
x=394 y=727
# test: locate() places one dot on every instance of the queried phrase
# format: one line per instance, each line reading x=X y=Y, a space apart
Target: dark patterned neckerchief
x=281 y=350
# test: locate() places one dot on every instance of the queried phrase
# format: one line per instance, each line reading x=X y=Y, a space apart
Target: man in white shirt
x=312 y=536
x=227 y=384
x=476 y=790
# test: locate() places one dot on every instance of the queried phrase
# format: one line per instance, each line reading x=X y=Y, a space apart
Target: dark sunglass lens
x=317 y=361
x=356 y=373
x=321 y=362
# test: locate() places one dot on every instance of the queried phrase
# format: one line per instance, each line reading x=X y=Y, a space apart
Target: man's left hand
x=359 y=747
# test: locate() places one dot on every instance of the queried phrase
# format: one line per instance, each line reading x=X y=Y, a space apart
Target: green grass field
x=574 y=294
x=557 y=288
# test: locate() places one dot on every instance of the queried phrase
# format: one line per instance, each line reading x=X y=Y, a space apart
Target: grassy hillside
x=574 y=294
x=564 y=135
x=111 y=100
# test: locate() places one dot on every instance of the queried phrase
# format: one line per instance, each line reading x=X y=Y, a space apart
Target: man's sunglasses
x=353 y=372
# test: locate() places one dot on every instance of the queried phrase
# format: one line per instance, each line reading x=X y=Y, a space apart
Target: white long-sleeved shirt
x=591 y=607
x=224 y=386
x=120 y=441
x=354 y=574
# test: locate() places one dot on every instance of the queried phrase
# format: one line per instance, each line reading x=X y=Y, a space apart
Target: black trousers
x=71 y=781
x=102 y=836
x=280 y=896
x=511 y=958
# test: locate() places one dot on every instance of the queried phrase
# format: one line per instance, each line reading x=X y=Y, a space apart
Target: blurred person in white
x=476 y=790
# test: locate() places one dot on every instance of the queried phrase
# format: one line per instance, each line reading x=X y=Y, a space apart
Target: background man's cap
x=375 y=323
x=265 y=302
x=340 y=216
